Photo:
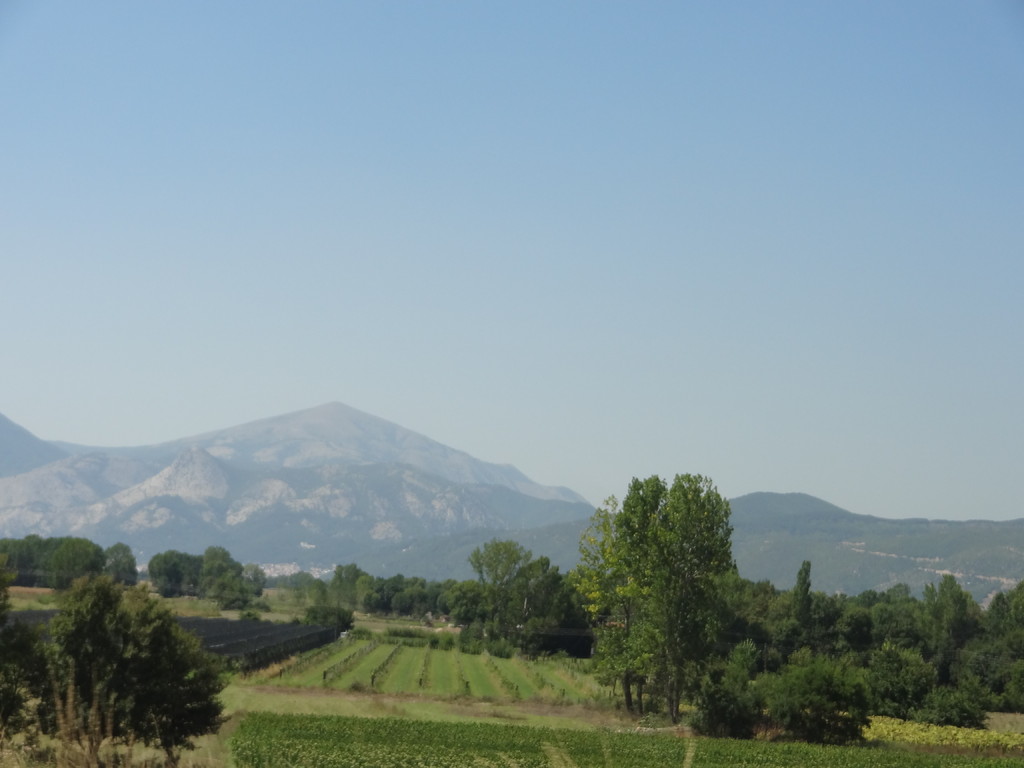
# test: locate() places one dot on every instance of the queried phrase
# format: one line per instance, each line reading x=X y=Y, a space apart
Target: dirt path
x=691 y=749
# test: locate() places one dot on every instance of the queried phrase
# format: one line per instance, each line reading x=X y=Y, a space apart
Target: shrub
x=818 y=699
x=964 y=706
x=728 y=702
x=899 y=680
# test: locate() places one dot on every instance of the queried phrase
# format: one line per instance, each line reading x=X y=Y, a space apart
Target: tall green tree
x=952 y=618
x=498 y=565
x=691 y=549
x=665 y=553
x=614 y=602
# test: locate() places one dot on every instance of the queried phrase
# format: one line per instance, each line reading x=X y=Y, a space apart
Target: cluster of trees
x=650 y=576
x=213 y=575
x=56 y=562
x=516 y=603
x=674 y=619
x=114 y=671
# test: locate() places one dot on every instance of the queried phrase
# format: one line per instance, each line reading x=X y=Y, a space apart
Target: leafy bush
x=443 y=641
x=818 y=699
x=728 y=702
x=899 y=680
x=964 y=706
x=501 y=648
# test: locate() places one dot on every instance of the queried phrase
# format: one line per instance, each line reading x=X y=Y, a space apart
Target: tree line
x=56 y=562
x=517 y=603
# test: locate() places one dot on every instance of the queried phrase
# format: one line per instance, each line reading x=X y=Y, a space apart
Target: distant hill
x=773 y=533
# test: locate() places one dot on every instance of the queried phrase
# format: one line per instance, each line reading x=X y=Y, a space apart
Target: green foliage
x=265 y=740
x=175 y=573
x=120 y=564
x=325 y=615
x=818 y=699
x=74 y=558
x=958 y=740
x=964 y=706
x=221 y=580
x=51 y=562
x=269 y=741
x=952 y=618
x=728 y=702
x=19 y=663
x=899 y=680
x=467 y=602
x=651 y=574
x=120 y=656
x=214 y=575
x=1013 y=695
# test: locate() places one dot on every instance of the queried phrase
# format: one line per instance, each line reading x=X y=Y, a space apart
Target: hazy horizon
x=776 y=245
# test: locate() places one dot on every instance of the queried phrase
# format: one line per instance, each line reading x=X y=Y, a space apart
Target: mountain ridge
x=311 y=486
x=330 y=485
x=337 y=433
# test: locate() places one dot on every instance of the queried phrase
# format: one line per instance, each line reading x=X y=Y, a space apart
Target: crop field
x=266 y=740
x=397 y=666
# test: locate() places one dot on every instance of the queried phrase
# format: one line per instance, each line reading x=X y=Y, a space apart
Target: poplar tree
x=663 y=556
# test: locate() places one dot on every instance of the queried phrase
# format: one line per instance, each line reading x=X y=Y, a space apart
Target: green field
x=392 y=701
x=280 y=741
x=389 y=665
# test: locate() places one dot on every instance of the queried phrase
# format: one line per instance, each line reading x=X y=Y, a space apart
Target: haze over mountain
x=316 y=486
x=334 y=485
x=21 y=451
x=773 y=533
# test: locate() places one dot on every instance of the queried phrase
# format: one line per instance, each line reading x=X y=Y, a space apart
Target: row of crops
x=389 y=665
x=267 y=740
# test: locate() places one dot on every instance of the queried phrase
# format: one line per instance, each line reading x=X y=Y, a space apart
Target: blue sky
x=777 y=244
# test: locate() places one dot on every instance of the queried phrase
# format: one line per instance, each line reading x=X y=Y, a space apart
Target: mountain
x=311 y=488
x=21 y=451
x=334 y=485
x=338 y=434
x=773 y=533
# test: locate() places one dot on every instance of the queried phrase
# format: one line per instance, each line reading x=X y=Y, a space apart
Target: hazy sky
x=779 y=244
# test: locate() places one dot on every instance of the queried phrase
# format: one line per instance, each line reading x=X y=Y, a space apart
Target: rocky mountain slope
x=314 y=487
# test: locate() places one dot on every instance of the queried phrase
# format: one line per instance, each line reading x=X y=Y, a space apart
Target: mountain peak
x=335 y=433
x=194 y=476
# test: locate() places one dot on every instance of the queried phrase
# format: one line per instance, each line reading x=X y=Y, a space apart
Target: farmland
x=278 y=741
x=376 y=699
x=412 y=666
